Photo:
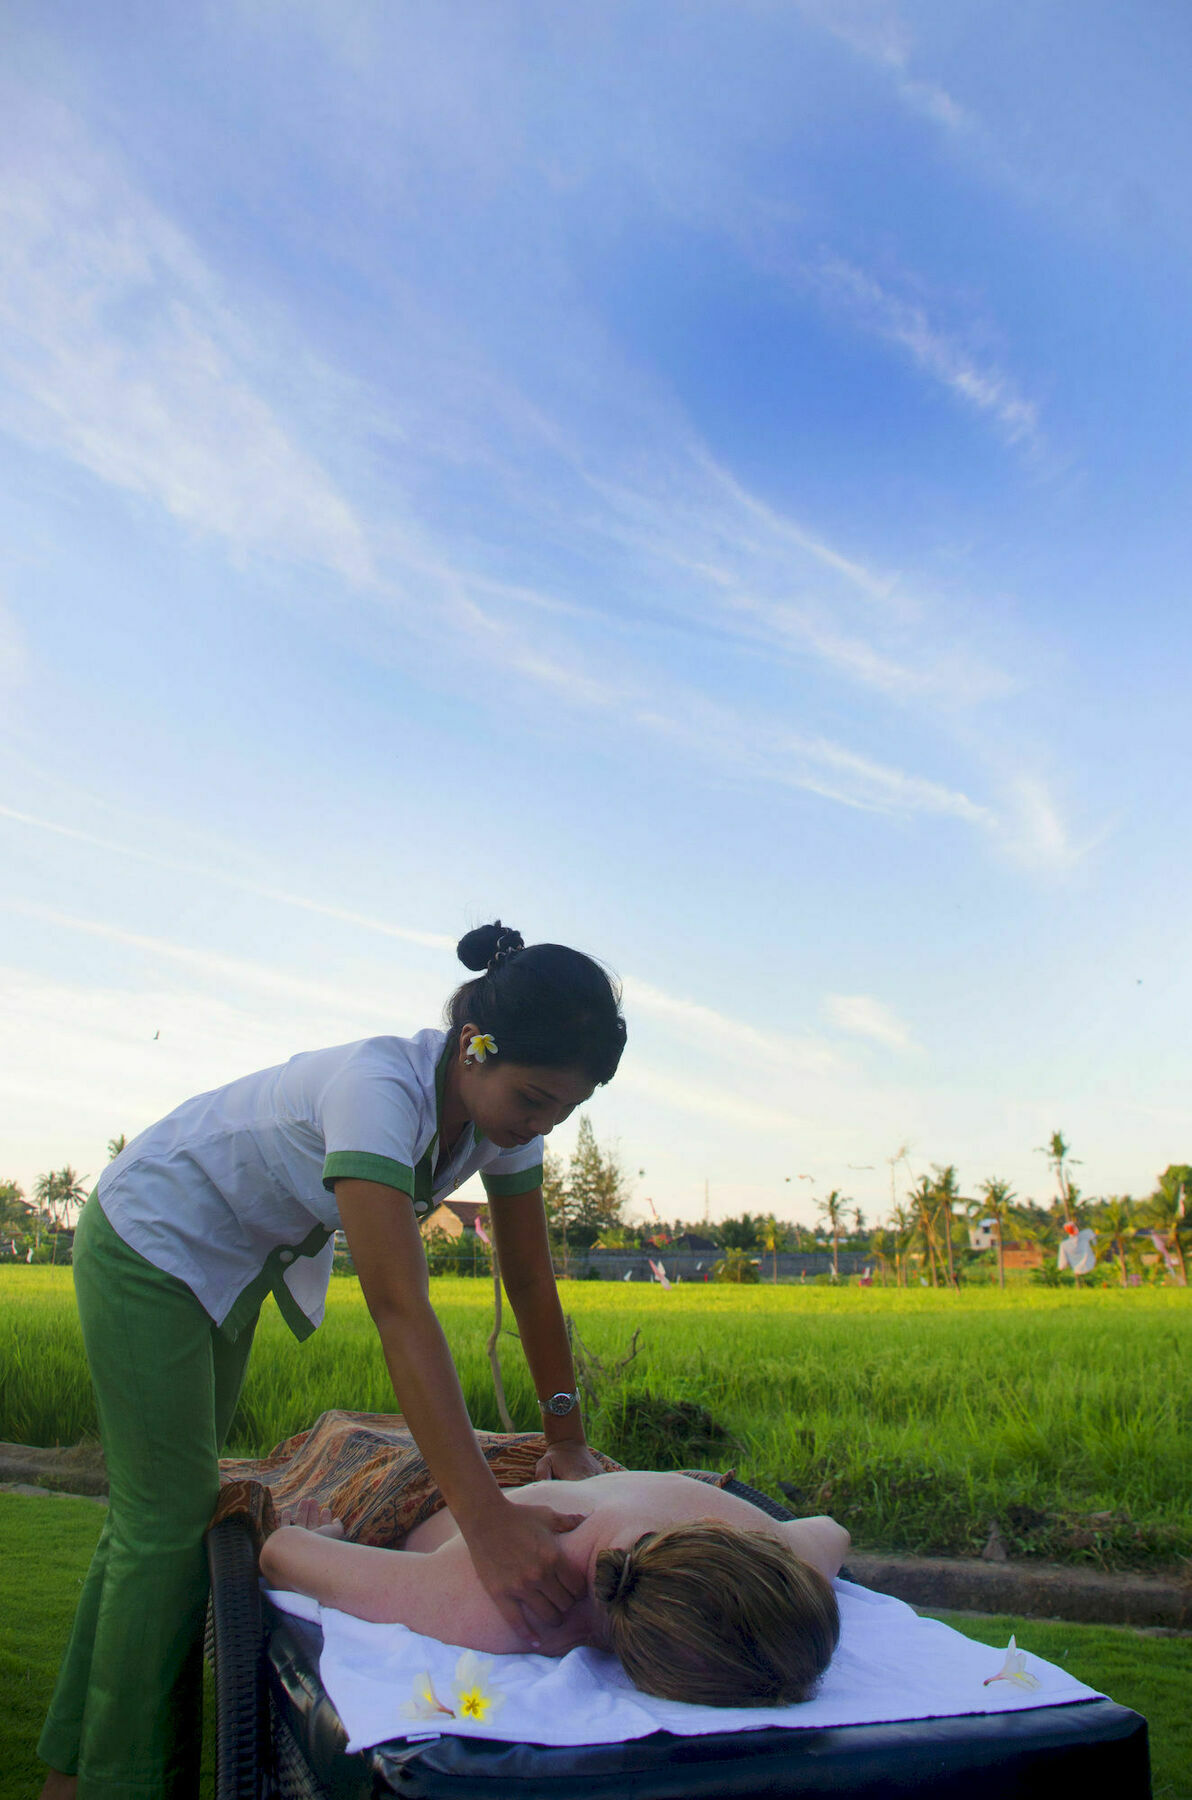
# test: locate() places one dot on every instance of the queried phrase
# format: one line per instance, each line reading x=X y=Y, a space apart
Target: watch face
x=560 y=1404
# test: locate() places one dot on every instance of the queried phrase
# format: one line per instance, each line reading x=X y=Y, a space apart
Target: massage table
x=278 y=1734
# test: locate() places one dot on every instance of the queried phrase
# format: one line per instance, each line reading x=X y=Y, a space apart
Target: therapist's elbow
x=395 y=1308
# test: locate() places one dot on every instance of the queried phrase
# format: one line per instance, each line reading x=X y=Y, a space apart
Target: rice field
x=918 y=1418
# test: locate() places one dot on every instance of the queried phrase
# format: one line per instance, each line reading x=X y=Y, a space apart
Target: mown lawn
x=45 y=1545
x=916 y=1417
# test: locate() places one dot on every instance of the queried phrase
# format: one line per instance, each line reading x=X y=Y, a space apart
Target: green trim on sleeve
x=524 y=1181
x=360 y=1165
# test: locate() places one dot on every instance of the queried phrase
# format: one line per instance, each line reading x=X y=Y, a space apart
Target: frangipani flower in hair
x=480 y=1046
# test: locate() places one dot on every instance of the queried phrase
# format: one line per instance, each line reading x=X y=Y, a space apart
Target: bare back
x=431 y=1584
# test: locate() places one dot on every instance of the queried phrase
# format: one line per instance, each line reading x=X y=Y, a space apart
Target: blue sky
x=708 y=484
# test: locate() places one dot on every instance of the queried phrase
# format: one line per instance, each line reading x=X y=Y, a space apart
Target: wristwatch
x=559 y=1405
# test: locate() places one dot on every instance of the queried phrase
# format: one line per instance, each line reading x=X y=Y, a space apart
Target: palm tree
x=831 y=1210
x=881 y=1246
x=72 y=1191
x=116 y=1145
x=902 y=1229
x=922 y=1197
x=735 y=1265
x=998 y=1206
x=58 y=1194
x=947 y=1193
x=773 y=1240
x=1168 y=1210
x=45 y=1194
x=1117 y=1219
x=1058 y=1153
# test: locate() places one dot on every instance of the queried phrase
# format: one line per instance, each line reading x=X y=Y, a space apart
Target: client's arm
x=387 y=1586
x=438 y=1593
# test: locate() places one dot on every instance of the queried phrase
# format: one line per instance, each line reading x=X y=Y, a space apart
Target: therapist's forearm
x=543 y=1331
x=428 y=1392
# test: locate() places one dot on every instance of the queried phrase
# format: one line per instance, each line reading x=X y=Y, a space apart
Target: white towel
x=890 y=1664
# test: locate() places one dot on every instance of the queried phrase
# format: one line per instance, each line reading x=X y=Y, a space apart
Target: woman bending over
x=701 y=1595
x=236 y=1195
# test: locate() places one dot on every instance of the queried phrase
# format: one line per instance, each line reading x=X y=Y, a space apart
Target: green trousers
x=127 y=1711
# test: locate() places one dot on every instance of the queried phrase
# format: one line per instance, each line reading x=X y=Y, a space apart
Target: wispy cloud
x=233 y=972
x=876 y=30
x=117 y=348
x=431 y=940
x=939 y=353
x=707 y=1101
x=719 y=1032
x=861 y=782
x=119 y=351
x=1034 y=832
x=691 y=1018
x=863 y=1016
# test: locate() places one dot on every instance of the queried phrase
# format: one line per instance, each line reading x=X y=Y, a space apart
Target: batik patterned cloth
x=367 y=1469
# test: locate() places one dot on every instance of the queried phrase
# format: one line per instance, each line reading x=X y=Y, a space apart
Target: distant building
x=983 y=1236
x=453 y=1217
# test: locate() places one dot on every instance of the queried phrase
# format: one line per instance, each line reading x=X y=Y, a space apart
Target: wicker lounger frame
x=268 y=1697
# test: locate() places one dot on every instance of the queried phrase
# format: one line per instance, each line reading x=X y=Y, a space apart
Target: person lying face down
x=701 y=1596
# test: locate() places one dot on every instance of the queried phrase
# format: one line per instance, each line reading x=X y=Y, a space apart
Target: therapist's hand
x=568 y=1460
x=517 y=1553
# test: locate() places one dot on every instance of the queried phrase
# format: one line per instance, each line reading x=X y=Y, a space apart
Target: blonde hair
x=717 y=1616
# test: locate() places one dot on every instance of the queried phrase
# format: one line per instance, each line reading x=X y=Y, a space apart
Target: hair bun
x=615 y=1577
x=477 y=948
x=508 y=944
x=489 y=946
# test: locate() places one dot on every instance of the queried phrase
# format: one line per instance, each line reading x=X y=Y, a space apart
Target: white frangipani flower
x=1014 y=1669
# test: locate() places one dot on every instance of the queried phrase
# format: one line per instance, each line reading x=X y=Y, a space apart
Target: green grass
x=916 y=1417
x=45 y=1546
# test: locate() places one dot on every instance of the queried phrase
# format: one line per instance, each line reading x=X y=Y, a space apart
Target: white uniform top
x=234 y=1191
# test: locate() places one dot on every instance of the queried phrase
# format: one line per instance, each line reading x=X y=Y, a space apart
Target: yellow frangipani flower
x=482 y=1045
x=474 y=1698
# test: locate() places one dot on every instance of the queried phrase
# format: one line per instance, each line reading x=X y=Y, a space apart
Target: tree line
x=30 y=1228
x=927 y=1230
x=587 y=1197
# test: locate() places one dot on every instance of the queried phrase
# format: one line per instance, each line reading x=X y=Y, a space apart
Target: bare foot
x=59 y=1786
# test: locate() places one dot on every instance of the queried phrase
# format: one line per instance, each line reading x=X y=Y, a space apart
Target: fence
x=696 y=1265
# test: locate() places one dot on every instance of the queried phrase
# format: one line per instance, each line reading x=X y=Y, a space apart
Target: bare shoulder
x=819 y=1541
x=629 y=1501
